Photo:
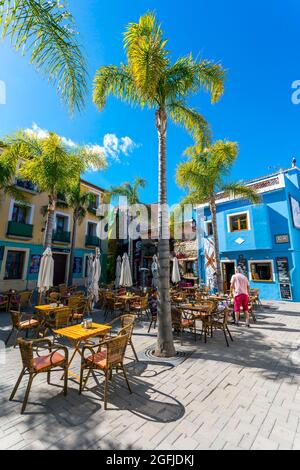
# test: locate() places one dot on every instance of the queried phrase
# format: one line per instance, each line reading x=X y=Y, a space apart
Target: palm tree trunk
x=213 y=211
x=50 y=222
x=74 y=230
x=165 y=345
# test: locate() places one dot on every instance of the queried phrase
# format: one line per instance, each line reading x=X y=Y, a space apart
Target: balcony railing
x=62 y=237
x=92 y=240
x=27 y=185
x=18 y=229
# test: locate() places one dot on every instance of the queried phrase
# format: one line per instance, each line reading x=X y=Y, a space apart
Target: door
x=228 y=270
x=60 y=263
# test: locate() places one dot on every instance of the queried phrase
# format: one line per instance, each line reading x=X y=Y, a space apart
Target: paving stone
x=243 y=397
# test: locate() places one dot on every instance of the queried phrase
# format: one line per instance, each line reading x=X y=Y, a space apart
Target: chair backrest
x=176 y=317
x=127 y=323
x=116 y=347
x=26 y=350
x=25 y=297
x=62 y=288
x=74 y=301
x=80 y=308
x=53 y=296
x=15 y=318
x=61 y=318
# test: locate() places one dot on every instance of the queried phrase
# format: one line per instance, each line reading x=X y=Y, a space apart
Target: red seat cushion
x=187 y=323
x=98 y=359
x=29 y=324
x=43 y=362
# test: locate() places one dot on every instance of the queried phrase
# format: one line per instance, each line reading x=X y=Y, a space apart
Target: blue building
x=264 y=239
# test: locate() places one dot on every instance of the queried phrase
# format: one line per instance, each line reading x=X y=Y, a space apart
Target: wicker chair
x=127 y=320
x=21 y=323
x=4 y=302
x=56 y=320
x=182 y=320
x=140 y=307
x=109 y=355
x=53 y=297
x=218 y=321
x=21 y=301
x=113 y=306
x=34 y=365
x=78 y=311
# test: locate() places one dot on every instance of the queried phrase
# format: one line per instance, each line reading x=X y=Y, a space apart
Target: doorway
x=228 y=270
x=60 y=266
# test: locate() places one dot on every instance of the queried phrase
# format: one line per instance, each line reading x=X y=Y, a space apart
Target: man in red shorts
x=240 y=289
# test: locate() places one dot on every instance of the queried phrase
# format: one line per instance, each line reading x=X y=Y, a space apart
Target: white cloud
x=112 y=147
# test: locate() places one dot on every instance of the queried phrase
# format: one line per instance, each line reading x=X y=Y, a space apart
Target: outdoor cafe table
x=77 y=334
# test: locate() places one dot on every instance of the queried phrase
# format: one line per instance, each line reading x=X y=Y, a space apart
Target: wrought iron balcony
x=92 y=241
x=18 y=229
x=62 y=237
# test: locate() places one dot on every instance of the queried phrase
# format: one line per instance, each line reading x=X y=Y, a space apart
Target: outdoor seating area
x=64 y=316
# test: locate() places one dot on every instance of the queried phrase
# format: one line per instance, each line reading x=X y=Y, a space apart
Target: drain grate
x=149 y=356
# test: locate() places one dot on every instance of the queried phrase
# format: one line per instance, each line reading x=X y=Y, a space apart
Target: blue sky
x=257 y=42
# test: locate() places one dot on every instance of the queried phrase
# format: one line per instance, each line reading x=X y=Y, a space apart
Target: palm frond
x=116 y=81
x=188 y=75
x=146 y=54
x=193 y=122
x=46 y=30
x=238 y=190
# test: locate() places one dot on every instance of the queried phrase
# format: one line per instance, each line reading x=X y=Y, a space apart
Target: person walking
x=240 y=290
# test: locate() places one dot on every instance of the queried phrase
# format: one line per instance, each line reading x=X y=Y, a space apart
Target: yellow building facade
x=22 y=232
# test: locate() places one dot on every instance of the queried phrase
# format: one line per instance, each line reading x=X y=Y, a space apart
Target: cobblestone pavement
x=246 y=396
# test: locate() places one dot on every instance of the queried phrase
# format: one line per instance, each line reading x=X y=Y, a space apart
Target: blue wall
x=271 y=217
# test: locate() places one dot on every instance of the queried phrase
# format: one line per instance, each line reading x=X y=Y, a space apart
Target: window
x=20 y=214
x=261 y=271
x=209 y=229
x=94 y=203
x=91 y=229
x=14 y=264
x=238 y=222
x=61 y=223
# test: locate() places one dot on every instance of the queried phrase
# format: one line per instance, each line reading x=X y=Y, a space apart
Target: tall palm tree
x=78 y=201
x=131 y=192
x=149 y=79
x=46 y=30
x=203 y=175
x=52 y=165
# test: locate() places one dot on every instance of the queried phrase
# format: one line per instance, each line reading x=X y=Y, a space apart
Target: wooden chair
x=220 y=322
x=78 y=311
x=127 y=320
x=113 y=306
x=140 y=306
x=254 y=296
x=58 y=319
x=105 y=357
x=21 y=323
x=21 y=301
x=4 y=302
x=182 y=320
x=53 y=297
x=36 y=364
